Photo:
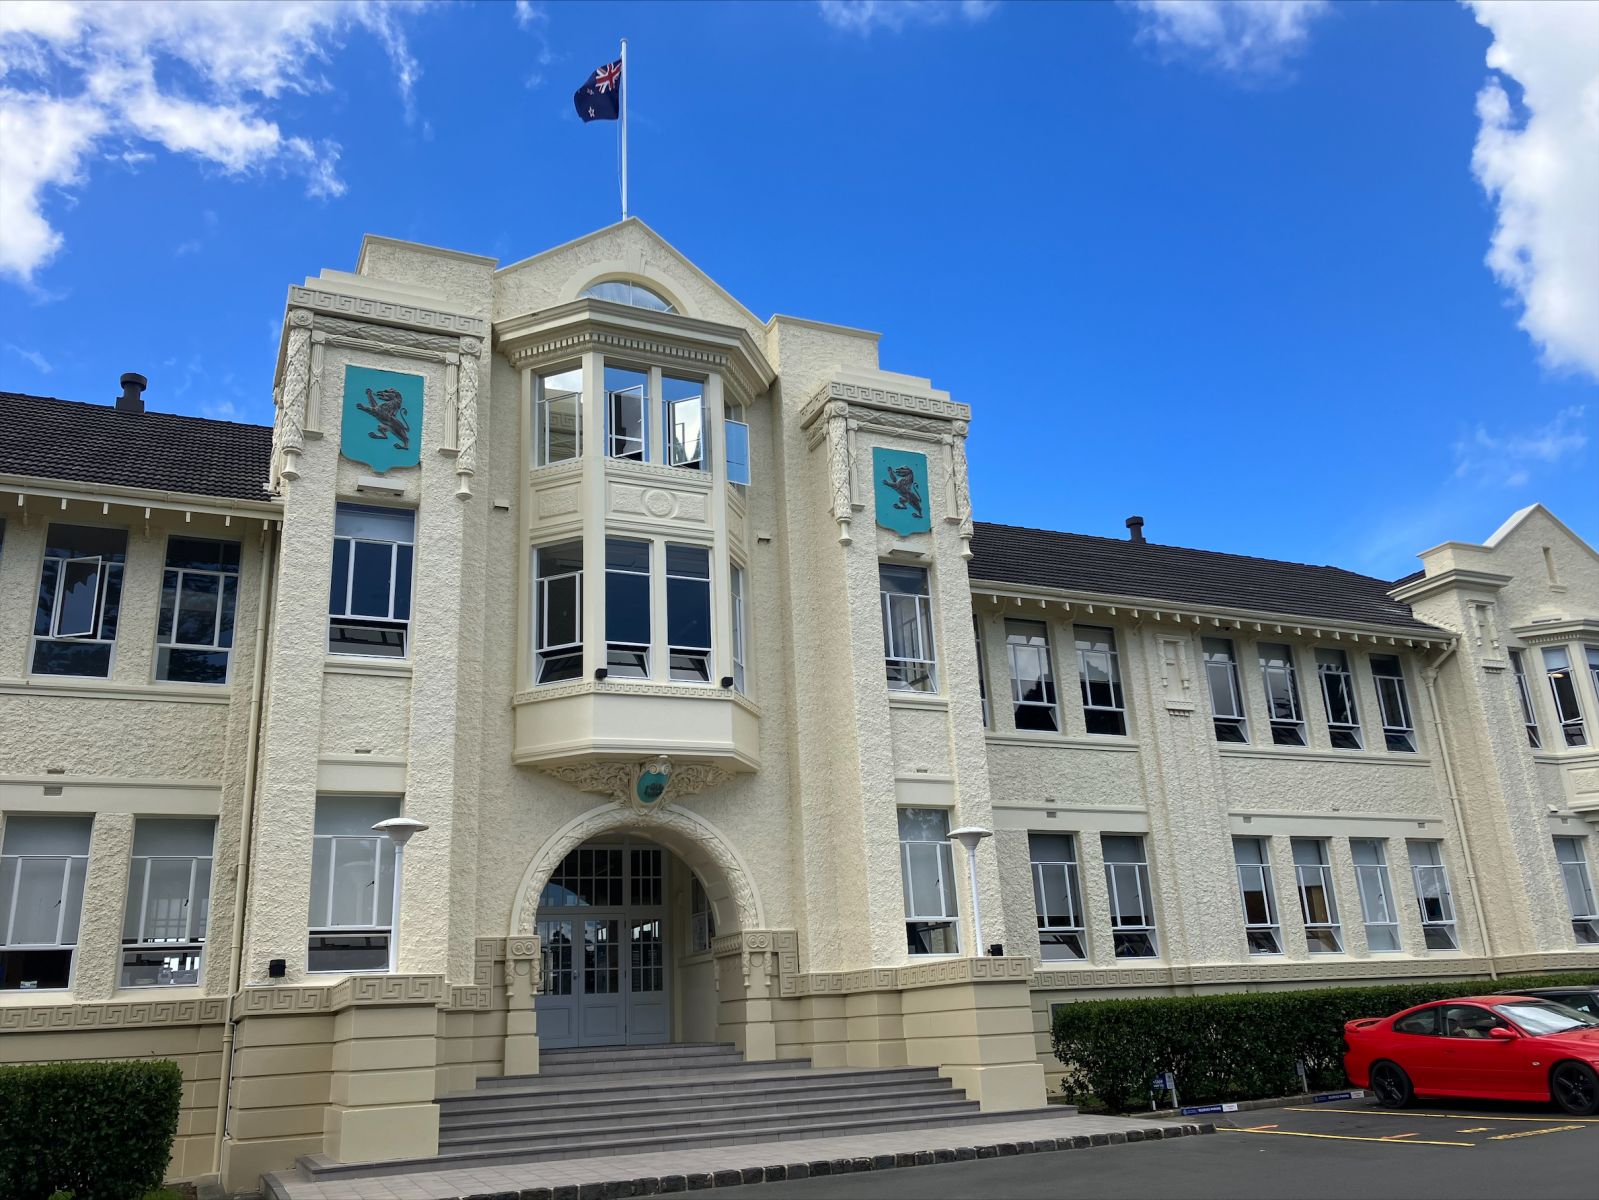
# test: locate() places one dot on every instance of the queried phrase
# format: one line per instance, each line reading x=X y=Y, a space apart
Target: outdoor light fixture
x=399 y=830
x=969 y=836
x=727 y=681
x=600 y=672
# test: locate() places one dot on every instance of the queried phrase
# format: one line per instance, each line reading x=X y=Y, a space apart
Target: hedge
x=1235 y=1046
x=98 y=1130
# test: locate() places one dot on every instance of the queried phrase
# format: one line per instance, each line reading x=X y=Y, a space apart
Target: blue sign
x=900 y=486
x=1199 y=1110
x=1329 y=1097
x=382 y=418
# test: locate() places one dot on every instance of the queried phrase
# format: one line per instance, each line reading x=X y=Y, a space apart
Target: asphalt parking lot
x=1461 y=1151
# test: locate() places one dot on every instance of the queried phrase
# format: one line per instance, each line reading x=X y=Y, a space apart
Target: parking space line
x=1521 y=1133
x=1342 y=1137
x=1386 y=1112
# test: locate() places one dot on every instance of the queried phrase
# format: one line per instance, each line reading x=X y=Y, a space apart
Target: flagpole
x=627 y=85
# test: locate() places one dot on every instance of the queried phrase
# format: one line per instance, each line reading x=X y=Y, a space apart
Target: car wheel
x=1575 y=1088
x=1391 y=1085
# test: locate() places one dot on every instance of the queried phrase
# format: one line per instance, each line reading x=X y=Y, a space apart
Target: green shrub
x=99 y=1130
x=1235 y=1046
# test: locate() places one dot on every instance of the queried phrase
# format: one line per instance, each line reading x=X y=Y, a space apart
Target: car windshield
x=1539 y=1017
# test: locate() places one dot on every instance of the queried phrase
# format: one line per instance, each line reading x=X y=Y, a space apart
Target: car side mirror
x=1500 y=1034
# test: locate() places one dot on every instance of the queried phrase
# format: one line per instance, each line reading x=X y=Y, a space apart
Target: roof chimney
x=132 y=398
x=1135 y=529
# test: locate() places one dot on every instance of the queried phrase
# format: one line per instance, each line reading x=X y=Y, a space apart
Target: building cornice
x=1563 y=629
x=377 y=310
x=1455 y=577
x=266 y=509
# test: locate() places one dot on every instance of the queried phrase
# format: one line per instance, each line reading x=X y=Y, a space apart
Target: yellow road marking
x=1340 y=1137
x=1394 y=1137
x=1475 y=1129
x=1384 y=1112
x=1505 y=1137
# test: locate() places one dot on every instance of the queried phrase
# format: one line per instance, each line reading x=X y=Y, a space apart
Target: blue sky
x=1223 y=266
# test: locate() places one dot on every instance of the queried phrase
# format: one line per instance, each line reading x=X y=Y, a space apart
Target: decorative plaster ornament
x=900 y=487
x=652 y=780
x=382 y=418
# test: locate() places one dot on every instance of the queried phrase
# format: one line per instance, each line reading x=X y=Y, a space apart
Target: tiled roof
x=1076 y=562
x=164 y=452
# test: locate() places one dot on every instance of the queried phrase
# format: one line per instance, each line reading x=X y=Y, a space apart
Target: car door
x=1416 y=1046
x=1475 y=1062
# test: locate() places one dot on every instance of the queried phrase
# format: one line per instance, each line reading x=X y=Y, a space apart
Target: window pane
x=627 y=394
x=685 y=429
x=80 y=598
x=402 y=582
x=923 y=824
x=166 y=909
x=691 y=561
x=36 y=916
x=688 y=612
x=48 y=835
x=738 y=451
x=374 y=567
x=173 y=837
x=355 y=872
x=338 y=589
x=198 y=599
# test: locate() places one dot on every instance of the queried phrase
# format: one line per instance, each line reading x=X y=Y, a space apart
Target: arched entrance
x=624 y=905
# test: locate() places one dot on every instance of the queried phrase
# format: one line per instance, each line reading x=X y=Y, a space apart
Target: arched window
x=623 y=291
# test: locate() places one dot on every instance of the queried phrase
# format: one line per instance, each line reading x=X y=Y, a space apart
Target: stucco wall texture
x=795 y=833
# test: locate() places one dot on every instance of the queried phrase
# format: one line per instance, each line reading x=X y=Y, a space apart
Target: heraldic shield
x=382 y=418
x=899 y=482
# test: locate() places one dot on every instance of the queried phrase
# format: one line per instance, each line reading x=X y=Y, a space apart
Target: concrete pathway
x=605 y=1178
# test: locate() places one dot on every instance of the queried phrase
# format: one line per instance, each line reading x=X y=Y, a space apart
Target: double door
x=605 y=977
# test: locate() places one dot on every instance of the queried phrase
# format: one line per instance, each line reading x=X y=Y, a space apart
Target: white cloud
x=1539 y=162
x=33 y=358
x=1509 y=459
x=535 y=19
x=1250 y=38
x=79 y=80
x=864 y=16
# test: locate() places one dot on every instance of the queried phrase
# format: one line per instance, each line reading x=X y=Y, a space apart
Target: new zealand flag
x=600 y=98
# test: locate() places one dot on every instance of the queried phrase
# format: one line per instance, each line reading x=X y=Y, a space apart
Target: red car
x=1488 y=1047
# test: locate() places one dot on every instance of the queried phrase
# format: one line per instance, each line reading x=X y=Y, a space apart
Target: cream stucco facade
x=764 y=901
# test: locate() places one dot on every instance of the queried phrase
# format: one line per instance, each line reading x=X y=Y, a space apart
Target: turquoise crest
x=899 y=481
x=651 y=786
x=382 y=418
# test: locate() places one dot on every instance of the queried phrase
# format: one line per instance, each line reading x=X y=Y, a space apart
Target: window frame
x=1269 y=931
x=1584 y=926
x=908 y=672
x=1337 y=680
x=1073 y=932
x=676 y=647
x=1431 y=880
x=617 y=652
x=1114 y=713
x=1236 y=721
x=947 y=916
x=1125 y=934
x=669 y=410
x=196 y=903
x=542 y=408
x=1377 y=874
x=71 y=892
x=543 y=650
x=110 y=574
x=1573 y=726
x=1398 y=736
x=383 y=862
x=982 y=671
x=1048 y=686
x=226 y=606
x=701 y=917
x=612 y=438
x=1332 y=927
x=1285 y=730
x=1529 y=715
x=372 y=621
x=737 y=581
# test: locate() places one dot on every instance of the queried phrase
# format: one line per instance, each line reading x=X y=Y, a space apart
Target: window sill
x=103 y=689
x=350 y=664
x=928 y=700
x=1058 y=741
x=1391 y=758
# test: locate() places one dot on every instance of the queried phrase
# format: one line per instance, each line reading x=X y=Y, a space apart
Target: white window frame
x=1292 y=725
x=1571 y=855
x=736 y=451
x=1591 y=653
x=198 y=899
x=1043 y=659
x=738 y=616
x=1338 y=682
x=1226 y=710
x=385 y=621
x=543 y=649
x=227 y=603
x=943 y=908
x=69 y=864
x=1125 y=934
x=615 y=665
x=982 y=670
x=1312 y=875
x=674 y=447
x=1529 y=715
x=1374 y=883
x=1070 y=933
x=1432 y=881
x=909 y=665
x=1256 y=877
x=619 y=445
x=1393 y=703
x=94 y=633
x=701 y=917
x=1109 y=662
x=1572 y=725
x=382 y=856
x=675 y=649
x=542 y=412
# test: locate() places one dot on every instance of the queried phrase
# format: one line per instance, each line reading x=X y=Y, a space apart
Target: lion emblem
x=903 y=482
x=388 y=409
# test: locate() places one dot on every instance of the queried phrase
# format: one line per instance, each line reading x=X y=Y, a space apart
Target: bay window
x=927 y=874
x=1528 y=717
x=627 y=608
x=1376 y=887
x=169 y=901
x=1132 y=901
x=1282 y=694
x=80 y=595
x=557 y=416
x=1563 y=687
x=627 y=408
x=1318 y=900
x=1099 y=671
x=1057 y=896
x=736 y=439
x=1338 y=699
x=1433 y=897
x=907 y=602
x=369 y=600
x=199 y=591
x=558 y=612
x=1262 y=930
x=352 y=884
x=1398 y=727
x=688 y=613
x=1032 y=676
x=43 y=860
x=683 y=410
x=1226 y=697
x=1573 y=860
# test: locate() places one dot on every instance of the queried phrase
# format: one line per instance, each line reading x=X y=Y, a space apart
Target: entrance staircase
x=586 y=1103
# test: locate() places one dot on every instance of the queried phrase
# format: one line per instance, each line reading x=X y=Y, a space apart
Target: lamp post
x=400 y=831
x=969 y=836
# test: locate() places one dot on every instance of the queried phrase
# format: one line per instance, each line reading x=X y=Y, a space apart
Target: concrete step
x=320 y=1167
x=609 y=1053
x=643 y=1121
x=644 y=1075
x=687 y=1089
x=671 y=1058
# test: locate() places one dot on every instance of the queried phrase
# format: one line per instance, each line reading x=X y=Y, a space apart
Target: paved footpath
x=604 y=1178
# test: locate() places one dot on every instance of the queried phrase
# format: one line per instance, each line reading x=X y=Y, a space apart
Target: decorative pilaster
x=963 y=495
x=296 y=382
x=840 y=462
x=466 y=418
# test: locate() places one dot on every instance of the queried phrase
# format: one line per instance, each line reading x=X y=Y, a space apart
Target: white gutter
x=1429 y=676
